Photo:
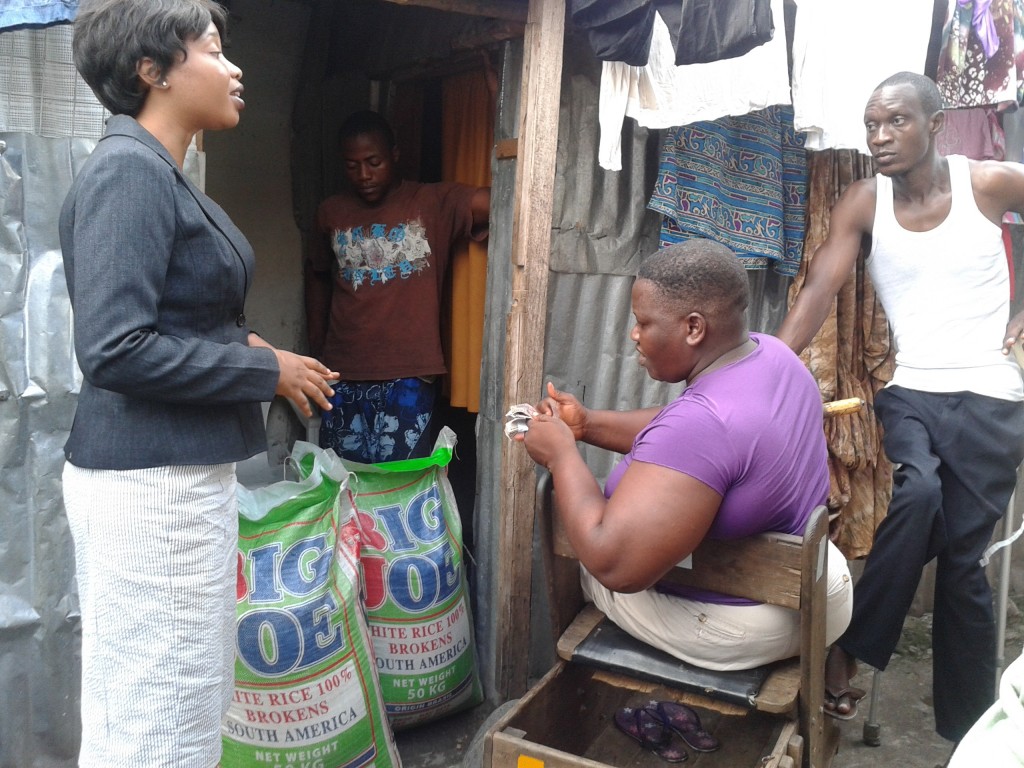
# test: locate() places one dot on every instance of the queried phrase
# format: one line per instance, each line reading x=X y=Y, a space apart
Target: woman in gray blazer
x=171 y=390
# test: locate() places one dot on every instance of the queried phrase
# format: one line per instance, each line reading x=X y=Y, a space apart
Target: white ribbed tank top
x=946 y=294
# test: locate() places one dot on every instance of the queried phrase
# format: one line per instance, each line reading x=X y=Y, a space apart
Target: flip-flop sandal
x=684 y=721
x=649 y=732
x=832 y=697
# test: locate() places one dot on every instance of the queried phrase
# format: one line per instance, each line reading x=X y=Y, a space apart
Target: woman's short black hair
x=112 y=36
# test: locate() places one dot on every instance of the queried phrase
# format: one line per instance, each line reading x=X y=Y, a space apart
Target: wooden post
x=524 y=340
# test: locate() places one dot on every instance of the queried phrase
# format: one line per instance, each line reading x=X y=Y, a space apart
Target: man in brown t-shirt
x=374 y=280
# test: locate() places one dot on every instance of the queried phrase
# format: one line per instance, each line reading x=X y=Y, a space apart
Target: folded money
x=517 y=418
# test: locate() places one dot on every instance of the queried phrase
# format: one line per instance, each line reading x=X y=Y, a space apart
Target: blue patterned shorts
x=374 y=421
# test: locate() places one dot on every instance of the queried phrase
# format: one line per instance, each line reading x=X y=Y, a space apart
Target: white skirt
x=722 y=637
x=155 y=553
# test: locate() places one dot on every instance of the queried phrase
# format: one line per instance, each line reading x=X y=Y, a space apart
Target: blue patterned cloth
x=375 y=421
x=740 y=181
x=17 y=13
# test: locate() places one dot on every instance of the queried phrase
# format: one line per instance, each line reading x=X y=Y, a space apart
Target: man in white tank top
x=953 y=415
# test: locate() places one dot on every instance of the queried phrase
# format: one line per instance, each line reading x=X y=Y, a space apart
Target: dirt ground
x=903 y=713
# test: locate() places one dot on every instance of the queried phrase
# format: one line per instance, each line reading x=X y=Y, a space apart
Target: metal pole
x=1003 y=591
x=872 y=730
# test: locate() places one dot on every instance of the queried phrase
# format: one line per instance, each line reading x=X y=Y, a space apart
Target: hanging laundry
x=617 y=30
x=974 y=132
x=977 y=64
x=713 y=30
x=662 y=95
x=741 y=181
x=841 y=52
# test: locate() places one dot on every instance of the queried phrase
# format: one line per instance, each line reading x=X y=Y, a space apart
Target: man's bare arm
x=480 y=204
x=999 y=189
x=851 y=219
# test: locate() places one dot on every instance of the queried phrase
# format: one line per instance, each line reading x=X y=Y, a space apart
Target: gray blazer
x=158 y=275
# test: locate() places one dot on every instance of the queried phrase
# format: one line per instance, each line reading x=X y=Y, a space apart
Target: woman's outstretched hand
x=303 y=379
x=567 y=408
x=548 y=439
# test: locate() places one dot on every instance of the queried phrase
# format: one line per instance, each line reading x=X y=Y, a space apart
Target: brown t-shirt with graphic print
x=388 y=265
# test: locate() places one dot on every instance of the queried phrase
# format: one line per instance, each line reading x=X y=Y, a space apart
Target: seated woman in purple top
x=741 y=451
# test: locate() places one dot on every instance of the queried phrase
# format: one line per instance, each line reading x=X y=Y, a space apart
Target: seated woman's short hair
x=111 y=37
x=700 y=275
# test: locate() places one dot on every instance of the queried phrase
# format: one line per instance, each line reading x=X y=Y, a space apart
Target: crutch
x=1003 y=590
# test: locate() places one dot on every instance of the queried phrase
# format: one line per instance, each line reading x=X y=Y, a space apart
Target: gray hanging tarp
x=39 y=381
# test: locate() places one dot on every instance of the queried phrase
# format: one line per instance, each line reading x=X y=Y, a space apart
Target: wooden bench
x=786 y=702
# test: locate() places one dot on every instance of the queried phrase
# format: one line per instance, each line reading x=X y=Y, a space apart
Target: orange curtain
x=468 y=135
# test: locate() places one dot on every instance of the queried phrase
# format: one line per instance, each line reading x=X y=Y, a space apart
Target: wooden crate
x=565 y=721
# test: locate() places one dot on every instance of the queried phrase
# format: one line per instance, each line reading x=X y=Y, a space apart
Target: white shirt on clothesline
x=662 y=95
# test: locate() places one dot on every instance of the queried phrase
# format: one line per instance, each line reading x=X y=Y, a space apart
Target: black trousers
x=956 y=458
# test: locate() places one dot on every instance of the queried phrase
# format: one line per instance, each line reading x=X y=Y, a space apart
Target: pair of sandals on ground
x=655 y=726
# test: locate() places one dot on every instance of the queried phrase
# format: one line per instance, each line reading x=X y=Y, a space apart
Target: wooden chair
x=779 y=569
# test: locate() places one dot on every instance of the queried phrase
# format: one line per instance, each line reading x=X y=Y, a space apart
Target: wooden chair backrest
x=768 y=567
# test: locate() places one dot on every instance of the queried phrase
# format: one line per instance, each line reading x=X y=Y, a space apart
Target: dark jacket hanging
x=711 y=30
x=617 y=30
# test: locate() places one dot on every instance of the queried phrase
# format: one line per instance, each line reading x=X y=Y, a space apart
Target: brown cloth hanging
x=851 y=356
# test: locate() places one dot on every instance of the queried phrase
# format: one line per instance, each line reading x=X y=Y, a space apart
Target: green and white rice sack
x=306 y=691
x=416 y=595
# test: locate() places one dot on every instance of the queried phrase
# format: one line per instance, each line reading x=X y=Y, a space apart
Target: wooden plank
x=488 y=36
x=795 y=748
x=812 y=643
x=506 y=148
x=657 y=691
x=508 y=749
x=524 y=353
x=577 y=632
x=510 y=10
x=537 y=691
x=564 y=591
x=765 y=568
x=779 y=693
